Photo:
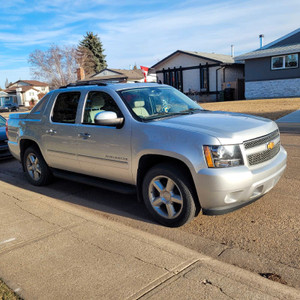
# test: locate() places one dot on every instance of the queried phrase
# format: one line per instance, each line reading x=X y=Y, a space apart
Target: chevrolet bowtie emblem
x=270 y=146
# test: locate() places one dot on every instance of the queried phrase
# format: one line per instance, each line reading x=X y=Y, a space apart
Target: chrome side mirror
x=108 y=118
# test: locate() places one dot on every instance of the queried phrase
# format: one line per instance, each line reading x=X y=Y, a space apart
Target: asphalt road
x=263 y=237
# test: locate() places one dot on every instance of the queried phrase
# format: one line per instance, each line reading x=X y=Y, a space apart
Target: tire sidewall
x=188 y=209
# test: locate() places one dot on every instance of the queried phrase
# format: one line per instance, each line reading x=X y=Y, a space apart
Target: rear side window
x=65 y=107
x=39 y=107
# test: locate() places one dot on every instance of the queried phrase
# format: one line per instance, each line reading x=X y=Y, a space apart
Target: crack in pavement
x=12 y=196
x=224 y=250
x=155 y=265
x=208 y=282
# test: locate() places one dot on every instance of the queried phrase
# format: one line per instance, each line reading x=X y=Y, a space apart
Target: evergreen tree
x=92 y=42
x=85 y=59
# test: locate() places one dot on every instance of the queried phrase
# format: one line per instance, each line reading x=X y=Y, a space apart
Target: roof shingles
x=269 y=52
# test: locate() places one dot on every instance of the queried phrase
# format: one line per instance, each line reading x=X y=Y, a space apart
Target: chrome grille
x=261 y=140
x=263 y=156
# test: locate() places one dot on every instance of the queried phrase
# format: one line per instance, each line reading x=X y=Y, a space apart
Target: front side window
x=65 y=107
x=98 y=102
x=285 y=61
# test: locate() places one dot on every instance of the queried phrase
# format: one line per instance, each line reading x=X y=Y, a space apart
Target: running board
x=106 y=184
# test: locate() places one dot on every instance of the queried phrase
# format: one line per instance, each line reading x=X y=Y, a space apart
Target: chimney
x=261 y=40
x=232 y=50
x=80 y=73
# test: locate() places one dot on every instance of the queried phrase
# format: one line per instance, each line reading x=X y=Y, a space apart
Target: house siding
x=191 y=78
x=272 y=89
x=260 y=69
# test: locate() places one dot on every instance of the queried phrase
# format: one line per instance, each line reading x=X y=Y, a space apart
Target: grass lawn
x=268 y=108
x=6 y=293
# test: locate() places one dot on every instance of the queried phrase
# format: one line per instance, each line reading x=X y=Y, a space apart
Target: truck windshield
x=158 y=102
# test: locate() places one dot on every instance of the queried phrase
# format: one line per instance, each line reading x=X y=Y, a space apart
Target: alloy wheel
x=165 y=197
x=33 y=167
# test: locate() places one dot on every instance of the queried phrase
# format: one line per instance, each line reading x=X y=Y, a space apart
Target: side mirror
x=108 y=118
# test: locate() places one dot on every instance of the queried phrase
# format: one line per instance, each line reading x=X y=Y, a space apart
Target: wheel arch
x=148 y=161
x=24 y=144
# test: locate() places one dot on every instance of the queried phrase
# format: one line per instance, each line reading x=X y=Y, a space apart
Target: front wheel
x=36 y=169
x=168 y=195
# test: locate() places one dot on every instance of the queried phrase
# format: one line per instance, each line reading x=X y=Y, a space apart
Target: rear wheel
x=36 y=169
x=168 y=195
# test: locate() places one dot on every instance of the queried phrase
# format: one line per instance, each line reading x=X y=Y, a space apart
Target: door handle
x=84 y=135
x=51 y=131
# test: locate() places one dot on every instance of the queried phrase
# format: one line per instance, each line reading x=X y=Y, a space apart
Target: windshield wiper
x=163 y=114
x=190 y=110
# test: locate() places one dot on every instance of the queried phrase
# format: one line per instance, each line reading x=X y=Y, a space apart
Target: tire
x=168 y=195
x=36 y=169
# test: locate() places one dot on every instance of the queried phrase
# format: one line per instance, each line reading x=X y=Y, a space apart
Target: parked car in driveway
x=153 y=140
x=4 y=151
x=9 y=106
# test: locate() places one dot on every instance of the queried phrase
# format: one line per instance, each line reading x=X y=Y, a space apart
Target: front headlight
x=223 y=156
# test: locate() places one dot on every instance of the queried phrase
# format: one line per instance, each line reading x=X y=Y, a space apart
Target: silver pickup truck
x=152 y=140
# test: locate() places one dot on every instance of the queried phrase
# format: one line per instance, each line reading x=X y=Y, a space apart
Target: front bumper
x=224 y=190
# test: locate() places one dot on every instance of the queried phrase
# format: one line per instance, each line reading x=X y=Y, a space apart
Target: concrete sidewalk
x=290 y=122
x=52 y=249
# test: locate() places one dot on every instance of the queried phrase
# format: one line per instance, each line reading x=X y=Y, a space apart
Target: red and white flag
x=145 y=71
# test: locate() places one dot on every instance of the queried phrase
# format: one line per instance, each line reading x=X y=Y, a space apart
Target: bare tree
x=56 y=66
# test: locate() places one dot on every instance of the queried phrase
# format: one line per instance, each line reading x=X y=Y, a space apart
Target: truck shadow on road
x=97 y=199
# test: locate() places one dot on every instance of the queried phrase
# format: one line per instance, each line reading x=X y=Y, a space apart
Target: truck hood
x=225 y=126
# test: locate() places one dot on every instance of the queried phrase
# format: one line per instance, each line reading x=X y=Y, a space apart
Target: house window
x=285 y=62
x=173 y=77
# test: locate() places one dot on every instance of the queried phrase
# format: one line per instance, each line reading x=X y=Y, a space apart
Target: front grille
x=2 y=143
x=263 y=156
x=261 y=140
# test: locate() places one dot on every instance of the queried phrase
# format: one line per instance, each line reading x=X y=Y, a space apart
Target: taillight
x=6 y=128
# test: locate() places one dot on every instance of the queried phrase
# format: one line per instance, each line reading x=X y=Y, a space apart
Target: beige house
x=202 y=76
x=27 y=90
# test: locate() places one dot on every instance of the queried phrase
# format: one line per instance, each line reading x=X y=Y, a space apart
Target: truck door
x=103 y=151
x=60 y=134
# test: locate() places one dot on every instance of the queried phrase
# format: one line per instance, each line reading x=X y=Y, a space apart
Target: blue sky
x=138 y=32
